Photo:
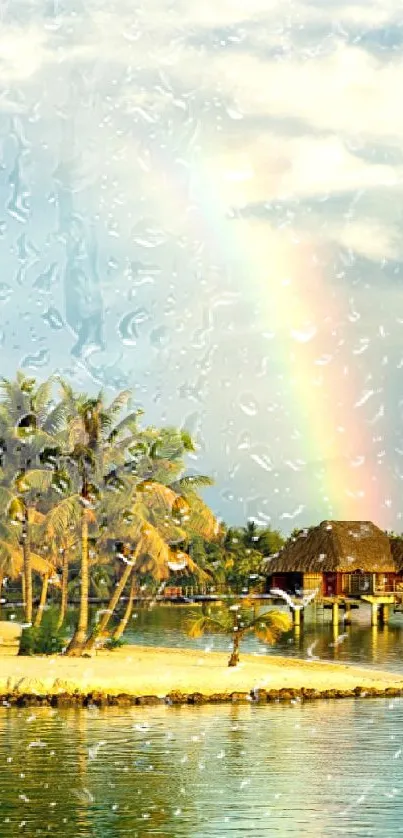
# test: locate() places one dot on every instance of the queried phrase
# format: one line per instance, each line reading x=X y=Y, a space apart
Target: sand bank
x=184 y=675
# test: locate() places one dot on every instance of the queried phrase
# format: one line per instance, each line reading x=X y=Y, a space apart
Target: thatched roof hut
x=336 y=546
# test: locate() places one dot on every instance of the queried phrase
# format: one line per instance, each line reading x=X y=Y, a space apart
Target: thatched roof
x=396 y=546
x=336 y=546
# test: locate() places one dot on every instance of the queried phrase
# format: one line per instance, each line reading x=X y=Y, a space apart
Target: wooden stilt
x=384 y=614
x=335 y=631
x=335 y=613
x=347 y=616
x=374 y=613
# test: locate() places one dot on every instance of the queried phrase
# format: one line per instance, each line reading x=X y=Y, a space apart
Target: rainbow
x=287 y=281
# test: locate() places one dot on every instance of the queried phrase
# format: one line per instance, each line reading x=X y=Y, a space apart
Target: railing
x=367 y=583
x=217 y=590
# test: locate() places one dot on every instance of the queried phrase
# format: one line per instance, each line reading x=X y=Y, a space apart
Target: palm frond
x=200 y=520
x=193 y=481
x=60 y=518
x=191 y=566
x=6 y=497
x=200 y=625
x=128 y=423
x=11 y=559
x=43 y=400
x=42 y=566
x=40 y=480
x=119 y=403
x=270 y=625
x=56 y=419
x=155 y=493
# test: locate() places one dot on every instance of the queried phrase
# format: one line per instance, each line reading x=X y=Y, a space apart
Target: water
x=320 y=769
x=165 y=625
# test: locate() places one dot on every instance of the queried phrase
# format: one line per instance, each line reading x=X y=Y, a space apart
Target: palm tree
x=160 y=519
x=12 y=561
x=29 y=423
x=145 y=549
x=67 y=550
x=122 y=626
x=98 y=441
x=238 y=619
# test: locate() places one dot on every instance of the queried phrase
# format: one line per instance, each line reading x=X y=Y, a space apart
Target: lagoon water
x=320 y=769
x=382 y=647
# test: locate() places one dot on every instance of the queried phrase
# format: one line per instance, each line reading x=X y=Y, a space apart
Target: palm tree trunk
x=1 y=590
x=26 y=551
x=77 y=642
x=107 y=614
x=65 y=582
x=23 y=587
x=121 y=628
x=234 y=659
x=42 y=601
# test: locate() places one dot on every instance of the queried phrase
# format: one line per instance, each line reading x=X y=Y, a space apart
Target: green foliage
x=236 y=556
x=236 y=619
x=47 y=639
x=114 y=643
x=63 y=452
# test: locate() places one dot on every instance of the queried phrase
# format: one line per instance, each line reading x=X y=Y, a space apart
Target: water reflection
x=203 y=771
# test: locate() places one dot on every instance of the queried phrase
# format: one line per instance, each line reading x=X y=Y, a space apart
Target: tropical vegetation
x=96 y=505
x=236 y=619
x=87 y=492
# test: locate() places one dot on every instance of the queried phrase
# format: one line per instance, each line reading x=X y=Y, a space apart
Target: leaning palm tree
x=146 y=548
x=237 y=619
x=150 y=520
x=98 y=442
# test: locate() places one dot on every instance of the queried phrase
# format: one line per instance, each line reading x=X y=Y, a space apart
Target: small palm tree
x=237 y=619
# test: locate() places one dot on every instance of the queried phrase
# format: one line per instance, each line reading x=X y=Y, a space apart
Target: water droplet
x=262 y=459
x=149 y=237
x=304 y=335
x=127 y=326
x=5 y=291
x=37 y=360
x=53 y=318
x=234 y=114
x=159 y=336
x=45 y=280
x=248 y=404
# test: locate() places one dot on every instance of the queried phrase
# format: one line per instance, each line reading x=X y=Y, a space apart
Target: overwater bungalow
x=337 y=559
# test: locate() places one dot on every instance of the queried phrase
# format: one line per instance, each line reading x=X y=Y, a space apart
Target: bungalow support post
x=335 y=613
x=297 y=617
x=384 y=614
x=374 y=614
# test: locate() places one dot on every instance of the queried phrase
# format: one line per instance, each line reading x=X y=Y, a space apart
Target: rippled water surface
x=321 y=769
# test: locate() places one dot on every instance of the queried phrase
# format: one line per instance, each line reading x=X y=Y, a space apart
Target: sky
x=202 y=201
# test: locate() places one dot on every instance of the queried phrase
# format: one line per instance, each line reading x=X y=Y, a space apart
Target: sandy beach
x=143 y=671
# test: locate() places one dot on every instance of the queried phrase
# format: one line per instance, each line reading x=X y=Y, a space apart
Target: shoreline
x=138 y=675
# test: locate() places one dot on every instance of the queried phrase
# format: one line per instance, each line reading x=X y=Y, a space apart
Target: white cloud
x=22 y=53
x=367 y=238
x=159 y=103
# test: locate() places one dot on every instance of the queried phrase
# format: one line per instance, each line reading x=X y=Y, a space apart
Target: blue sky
x=139 y=145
